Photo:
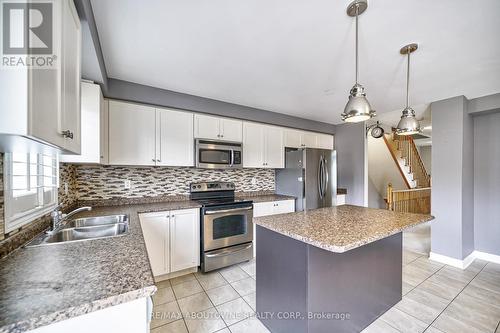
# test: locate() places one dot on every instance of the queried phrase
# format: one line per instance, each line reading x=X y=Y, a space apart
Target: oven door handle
x=212 y=212
x=225 y=252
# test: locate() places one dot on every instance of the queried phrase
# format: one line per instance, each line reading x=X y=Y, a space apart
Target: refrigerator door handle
x=325 y=177
x=320 y=178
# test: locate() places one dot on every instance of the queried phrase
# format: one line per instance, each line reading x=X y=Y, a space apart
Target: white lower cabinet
x=184 y=239
x=270 y=208
x=172 y=239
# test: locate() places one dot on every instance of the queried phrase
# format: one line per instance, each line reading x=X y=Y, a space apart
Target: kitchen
x=140 y=199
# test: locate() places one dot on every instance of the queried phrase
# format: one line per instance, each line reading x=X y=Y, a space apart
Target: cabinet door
x=309 y=140
x=184 y=239
x=284 y=206
x=91 y=104
x=104 y=132
x=132 y=135
x=263 y=209
x=253 y=145
x=275 y=153
x=71 y=51
x=231 y=130
x=176 y=143
x=325 y=141
x=155 y=228
x=292 y=138
x=206 y=127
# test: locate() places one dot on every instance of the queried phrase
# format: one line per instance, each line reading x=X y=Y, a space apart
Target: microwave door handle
x=231 y=163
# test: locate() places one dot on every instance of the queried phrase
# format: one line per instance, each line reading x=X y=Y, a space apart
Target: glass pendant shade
x=357 y=108
x=408 y=124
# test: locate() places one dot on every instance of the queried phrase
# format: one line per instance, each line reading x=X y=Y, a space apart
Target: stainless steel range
x=226 y=225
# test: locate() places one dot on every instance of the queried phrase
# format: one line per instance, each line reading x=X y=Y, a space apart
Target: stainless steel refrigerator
x=311 y=176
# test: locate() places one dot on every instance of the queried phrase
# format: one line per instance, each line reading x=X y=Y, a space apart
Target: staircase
x=410 y=165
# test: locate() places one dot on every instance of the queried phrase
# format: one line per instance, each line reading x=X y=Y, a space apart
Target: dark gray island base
x=325 y=291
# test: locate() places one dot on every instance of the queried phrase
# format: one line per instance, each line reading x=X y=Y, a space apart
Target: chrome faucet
x=58 y=217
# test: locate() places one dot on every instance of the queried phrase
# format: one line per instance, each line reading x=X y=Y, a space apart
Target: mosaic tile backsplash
x=107 y=182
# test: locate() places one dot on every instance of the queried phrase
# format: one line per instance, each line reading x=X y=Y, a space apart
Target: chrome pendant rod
x=408 y=80
x=357 y=57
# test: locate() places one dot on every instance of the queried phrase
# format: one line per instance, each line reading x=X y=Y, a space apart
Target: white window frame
x=13 y=222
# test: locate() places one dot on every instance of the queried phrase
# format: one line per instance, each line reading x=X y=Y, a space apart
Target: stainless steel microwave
x=218 y=154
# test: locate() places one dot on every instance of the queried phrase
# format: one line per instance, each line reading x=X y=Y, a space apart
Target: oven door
x=217 y=155
x=227 y=227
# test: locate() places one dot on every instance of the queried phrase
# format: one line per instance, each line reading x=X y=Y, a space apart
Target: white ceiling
x=297 y=57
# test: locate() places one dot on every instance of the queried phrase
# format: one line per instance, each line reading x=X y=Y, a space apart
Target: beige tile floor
x=436 y=299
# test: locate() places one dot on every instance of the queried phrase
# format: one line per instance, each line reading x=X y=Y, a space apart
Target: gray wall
x=134 y=92
x=487 y=183
x=452 y=169
x=350 y=143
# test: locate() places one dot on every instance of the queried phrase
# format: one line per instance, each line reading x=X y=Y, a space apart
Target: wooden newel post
x=389 y=196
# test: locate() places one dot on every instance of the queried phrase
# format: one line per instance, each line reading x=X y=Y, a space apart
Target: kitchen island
x=330 y=269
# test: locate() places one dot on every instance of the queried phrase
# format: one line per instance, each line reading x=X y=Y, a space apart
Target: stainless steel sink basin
x=97 y=220
x=83 y=233
x=84 y=229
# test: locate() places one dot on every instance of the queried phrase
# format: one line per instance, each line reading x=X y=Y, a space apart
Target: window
x=31 y=182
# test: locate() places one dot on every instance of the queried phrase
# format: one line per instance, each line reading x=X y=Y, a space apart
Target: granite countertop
x=46 y=284
x=342 y=228
x=266 y=197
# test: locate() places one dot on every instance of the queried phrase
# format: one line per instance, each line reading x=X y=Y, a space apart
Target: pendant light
x=408 y=124
x=357 y=108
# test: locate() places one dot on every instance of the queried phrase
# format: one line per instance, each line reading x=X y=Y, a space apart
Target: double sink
x=86 y=229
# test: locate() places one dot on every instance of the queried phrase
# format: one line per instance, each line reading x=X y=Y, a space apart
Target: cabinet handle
x=153 y=160
x=218 y=135
x=158 y=160
x=67 y=134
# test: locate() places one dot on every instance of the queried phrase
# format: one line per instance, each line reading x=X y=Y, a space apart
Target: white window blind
x=30 y=187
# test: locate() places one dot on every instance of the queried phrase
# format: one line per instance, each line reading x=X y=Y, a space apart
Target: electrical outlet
x=254 y=181
x=127 y=184
x=66 y=188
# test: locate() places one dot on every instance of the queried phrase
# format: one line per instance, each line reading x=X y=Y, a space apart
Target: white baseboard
x=463 y=264
x=487 y=256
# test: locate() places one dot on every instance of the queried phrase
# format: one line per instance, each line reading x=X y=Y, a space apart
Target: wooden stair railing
x=416 y=200
x=405 y=154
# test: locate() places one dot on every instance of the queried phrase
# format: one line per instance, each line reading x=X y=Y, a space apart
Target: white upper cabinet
x=217 y=128
x=206 y=127
x=325 y=141
x=275 y=154
x=71 y=63
x=44 y=103
x=132 y=137
x=309 y=140
x=303 y=139
x=92 y=127
x=231 y=130
x=175 y=138
x=262 y=146
x=253 y=145
x=293 y=138
x=144 y=135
